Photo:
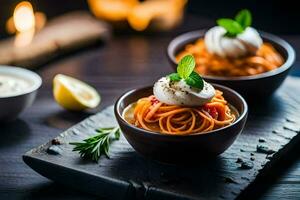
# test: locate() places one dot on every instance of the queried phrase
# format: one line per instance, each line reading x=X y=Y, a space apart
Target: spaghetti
x=153 y=115
x=266 y=59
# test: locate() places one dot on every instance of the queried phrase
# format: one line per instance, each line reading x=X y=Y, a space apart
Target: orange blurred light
x=161 y=14
x=24 y=17
x=24 y=22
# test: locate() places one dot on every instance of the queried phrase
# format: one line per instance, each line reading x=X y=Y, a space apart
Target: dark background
x=278 y=16
x=45 y=119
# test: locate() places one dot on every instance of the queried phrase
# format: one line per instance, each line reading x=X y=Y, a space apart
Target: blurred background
x=277 y=16
x=109 y=18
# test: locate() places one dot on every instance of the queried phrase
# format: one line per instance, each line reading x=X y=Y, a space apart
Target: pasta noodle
x=266 y=59
x=152 y=115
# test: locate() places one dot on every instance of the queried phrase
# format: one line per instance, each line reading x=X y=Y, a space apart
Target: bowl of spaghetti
x=243 y=60
x=177 y=120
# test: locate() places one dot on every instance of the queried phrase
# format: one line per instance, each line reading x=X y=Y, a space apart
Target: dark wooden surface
x=127 y=175
x=124 y=63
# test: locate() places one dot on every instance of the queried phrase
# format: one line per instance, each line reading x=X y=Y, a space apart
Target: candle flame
x=24 y=21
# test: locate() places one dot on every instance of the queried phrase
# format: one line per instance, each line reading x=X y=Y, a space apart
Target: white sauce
x=12 y=85
x=179 y=93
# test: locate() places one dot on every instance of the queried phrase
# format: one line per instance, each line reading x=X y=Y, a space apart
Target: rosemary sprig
x=95 y=146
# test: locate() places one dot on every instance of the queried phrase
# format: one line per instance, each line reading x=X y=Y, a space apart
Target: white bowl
x=11 y=106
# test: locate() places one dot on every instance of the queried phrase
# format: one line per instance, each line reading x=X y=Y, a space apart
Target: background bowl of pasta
x=260 y=79
x=177 y=148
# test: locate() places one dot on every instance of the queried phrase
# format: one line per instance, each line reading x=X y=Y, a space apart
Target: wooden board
x=127 y=175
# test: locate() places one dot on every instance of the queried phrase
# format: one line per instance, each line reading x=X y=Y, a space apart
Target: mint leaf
x=232 y=27
x=195 y=81
x=185 y=70
x=186 y=66
x=244 y=18
x=174 y=77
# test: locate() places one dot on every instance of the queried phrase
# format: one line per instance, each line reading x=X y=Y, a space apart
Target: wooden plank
x=128 y=175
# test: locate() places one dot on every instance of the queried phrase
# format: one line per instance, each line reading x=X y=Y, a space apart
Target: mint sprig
x=185 y=71
x=232 y=27
x=237 y=25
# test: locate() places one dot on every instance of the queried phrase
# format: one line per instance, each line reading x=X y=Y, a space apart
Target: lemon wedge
x=74 y=94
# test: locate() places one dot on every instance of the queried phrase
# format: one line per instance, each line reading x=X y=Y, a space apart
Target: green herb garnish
x=186 y=66
x=185 y=71
x=232 y=27
x=95 y=146
x=244 y=18
x=237 y=25
x=174 y=77
x=194 y=80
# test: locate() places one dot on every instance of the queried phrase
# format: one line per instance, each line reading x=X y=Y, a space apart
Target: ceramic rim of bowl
x=25 y=74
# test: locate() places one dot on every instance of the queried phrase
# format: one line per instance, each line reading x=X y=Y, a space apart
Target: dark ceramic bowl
x=173 y=149
x=250 y=87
